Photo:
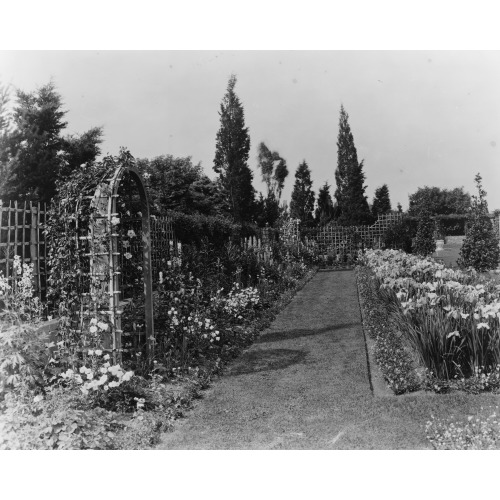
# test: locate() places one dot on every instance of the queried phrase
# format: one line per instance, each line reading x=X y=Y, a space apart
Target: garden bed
x=129 y=417
x=426 y=330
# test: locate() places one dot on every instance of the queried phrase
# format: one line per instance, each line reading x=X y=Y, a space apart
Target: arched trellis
x=104 y=255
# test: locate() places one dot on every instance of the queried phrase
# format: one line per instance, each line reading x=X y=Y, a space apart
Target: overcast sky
x=418 y=117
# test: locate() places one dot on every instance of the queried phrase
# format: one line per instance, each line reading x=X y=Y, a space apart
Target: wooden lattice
x=21 y=234
x=334 y=239
x=106 y=258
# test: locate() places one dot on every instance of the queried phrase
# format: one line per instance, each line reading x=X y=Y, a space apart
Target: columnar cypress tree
x=349 y=176
x=480 y=247
x=381 y=202
x=231 y=156
x=302 y=200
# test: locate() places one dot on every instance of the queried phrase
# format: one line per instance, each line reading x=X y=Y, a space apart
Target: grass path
x=304 y=384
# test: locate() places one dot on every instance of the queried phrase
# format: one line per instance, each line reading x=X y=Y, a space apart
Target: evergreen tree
x=231 y=156
x=424 y=240
x=324 y=210
x=302 y=200
x=349 y=176
x=381 y=202
x=480 y=247
x=34 y=153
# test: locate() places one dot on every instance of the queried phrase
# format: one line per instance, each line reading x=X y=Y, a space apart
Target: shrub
x=480 y=247
x=399 y=236
x=424 y=240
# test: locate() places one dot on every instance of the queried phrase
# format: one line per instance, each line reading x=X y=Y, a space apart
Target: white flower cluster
x=193 y=324
x=96 y=325
x=237 y=301
x=102 y=375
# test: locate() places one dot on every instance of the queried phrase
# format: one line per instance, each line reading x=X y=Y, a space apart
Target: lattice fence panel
x=21 y=234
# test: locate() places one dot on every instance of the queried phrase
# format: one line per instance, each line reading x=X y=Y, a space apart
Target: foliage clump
x=480 y=248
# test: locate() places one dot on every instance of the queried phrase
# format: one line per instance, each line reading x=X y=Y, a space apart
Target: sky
x=418 y=117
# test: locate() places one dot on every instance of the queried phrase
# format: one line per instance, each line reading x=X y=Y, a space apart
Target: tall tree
x=177 y=184
x=274 y=172
x=34 y=166
x=349 y=176
x=231 y=156
x=381 y=202
x=302 y=200
x=37 y=154
x=325 y=209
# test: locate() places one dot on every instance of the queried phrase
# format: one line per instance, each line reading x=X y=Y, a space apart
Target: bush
x=400 y=235
x=424 y=240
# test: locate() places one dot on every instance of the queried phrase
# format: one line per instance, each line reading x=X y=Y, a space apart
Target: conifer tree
x=302 y=200
x=324 y=210
x=231 y=156
x=381 y=202
x=480 y=247
x=34 y=154
x=349 y=176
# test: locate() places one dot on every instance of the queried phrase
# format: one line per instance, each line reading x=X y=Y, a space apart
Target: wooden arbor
x=105 y=255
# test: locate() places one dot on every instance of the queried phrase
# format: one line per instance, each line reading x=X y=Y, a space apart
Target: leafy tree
x=439 y=201
x=325 y=209
x=399 y=208
x=302 y=200
x=480 y=247
x=424 y=240
x=80 y=148
x=274 y=172
x=381 y=202
x=231 y=156
x=34 y=153
x=177 y=184
x=349 y=176
x=280 y=174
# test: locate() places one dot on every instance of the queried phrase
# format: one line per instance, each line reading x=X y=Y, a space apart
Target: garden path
x=304 y=384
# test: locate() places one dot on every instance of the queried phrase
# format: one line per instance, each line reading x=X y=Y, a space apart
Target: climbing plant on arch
x=92 y=245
